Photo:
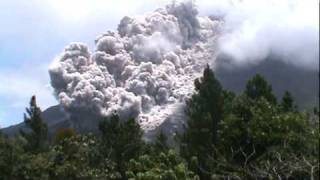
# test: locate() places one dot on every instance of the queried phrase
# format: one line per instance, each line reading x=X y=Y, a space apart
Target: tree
x=77 y=157
x=160 y=144
x=258 y=87
x=287 y=103
x=210 y=93
x=267 y=128
x=121 y=140
x=204 y=112
x=10 y=158
x=64 y=133
x=166 y=165
x=36 y=135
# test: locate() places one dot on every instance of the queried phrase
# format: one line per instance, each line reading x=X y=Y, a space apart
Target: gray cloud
x=142 y=70
x=253 y=30
x=146 y=68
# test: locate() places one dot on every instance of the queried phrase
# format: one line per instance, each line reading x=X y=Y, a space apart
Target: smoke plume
x=256 y=29
x=146 y=68
x=143 y=70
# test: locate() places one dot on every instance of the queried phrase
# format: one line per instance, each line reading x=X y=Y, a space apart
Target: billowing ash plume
x=144 y=70
x=255 y=29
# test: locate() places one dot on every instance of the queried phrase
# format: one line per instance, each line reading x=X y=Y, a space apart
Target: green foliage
x=9 y=157
x=228 y=136
x=271 y=138
x=164 y=166
x=121 y=140
x=33 y=166
x=78 y=157
x=258 y=87
x=287 y=103
x=268 y=127
x=74 y=158
x=160 y=144
x=204 y=111
x=62 y=134
x=37 y=137
x=207 y=102
x=15 y=163
x=278 y=165
x=228 y=100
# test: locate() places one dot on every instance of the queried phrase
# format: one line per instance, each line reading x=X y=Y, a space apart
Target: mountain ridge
x=281 y=75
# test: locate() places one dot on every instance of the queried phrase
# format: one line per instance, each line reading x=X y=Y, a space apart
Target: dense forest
x=251 y=135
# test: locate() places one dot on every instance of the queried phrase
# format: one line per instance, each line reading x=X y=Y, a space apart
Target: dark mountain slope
x=303 y=84
x=53 y=116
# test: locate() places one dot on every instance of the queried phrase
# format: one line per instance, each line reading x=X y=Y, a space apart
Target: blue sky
x=33 y=32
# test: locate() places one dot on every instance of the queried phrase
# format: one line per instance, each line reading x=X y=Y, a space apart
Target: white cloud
x=255 y=28
x=18 y=85
x=84 y=10
x=34 y=31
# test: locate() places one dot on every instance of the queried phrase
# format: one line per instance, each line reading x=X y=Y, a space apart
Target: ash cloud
x=254 y=30
x=146 y=68
x=143 y=70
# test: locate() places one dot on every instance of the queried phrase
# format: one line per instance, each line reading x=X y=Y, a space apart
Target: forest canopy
x=251 y=135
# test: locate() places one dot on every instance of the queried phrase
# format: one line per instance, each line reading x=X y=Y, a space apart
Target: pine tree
x=208 y=102
x=204 y=111
x=121 y=140
x=258 y=87
x=287 y=102
x=37 y=137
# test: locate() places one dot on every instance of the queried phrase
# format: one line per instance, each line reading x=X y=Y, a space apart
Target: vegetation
x=120 y=141
x=63 y=134
x=36 y=138
x=205 y=111
x=228 y=136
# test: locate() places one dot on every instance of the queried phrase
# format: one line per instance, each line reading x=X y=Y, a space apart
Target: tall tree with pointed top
x=37 y=133
x=258 y=87
x=204 y=111
x=121 y=140
x=287 y=102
